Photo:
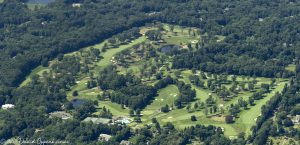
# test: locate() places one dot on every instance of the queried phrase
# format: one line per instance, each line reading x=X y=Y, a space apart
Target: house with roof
x=7 y=106
x=60 y=114
x=125 y=142
x=296 y=119
x=122 y=120
x=97 y=120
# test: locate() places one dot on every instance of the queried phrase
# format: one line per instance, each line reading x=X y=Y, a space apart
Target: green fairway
x=114 y=108
x=107 y=56
x=248 y=117
x=166 y=96
x=39 y=71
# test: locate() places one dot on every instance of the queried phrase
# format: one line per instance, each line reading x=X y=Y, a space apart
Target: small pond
x=169 y=48
x=78 y=102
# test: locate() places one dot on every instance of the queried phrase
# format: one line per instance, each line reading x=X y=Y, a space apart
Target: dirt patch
x=218 y=118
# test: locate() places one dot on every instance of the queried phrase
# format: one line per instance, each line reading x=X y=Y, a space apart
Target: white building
x=8 y=106
x=76 y=5
x=61 y=114
x=296 y=119
x=104 y=137
x=125 y=142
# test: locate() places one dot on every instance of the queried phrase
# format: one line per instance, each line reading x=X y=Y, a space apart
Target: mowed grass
x=37 y=71
x=107 y=56
x=166 y=96
x=114 y=108
x=247 y=117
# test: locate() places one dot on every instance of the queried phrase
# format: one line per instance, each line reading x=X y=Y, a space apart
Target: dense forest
x=261 y=39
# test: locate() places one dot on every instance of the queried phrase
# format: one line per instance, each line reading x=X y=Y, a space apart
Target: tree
x=105 y=47
x=171 y=28
x=138 y=119
x=196 y=106
x=203 y=76
x=112 y=40
x=234 y=78
x=165 y=109
x=154 y=120
x=75 y=93
x=153 y=35
x=45 y=62
x=215 y=108
x=84 y=110
x=188 y=107
x=177 y=73
x=250 y=86
x=229 y=119
x=287 y=122
x=60 y=57
x=273 y=81
x=210 y=101
x=178 y=103
x=206 y=111
x=193 y=118
x=138 y=112
x=265 y=87
x=251 y=101
x=131 y=112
